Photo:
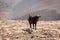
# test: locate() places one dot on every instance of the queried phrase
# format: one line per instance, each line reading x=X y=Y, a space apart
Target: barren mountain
x=11 y=9
x=20 y=30
x=46 y=14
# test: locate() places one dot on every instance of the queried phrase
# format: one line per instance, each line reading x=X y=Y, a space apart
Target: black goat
x=33 y=21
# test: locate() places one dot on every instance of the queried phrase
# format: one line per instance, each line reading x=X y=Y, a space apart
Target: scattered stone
x=32 y=36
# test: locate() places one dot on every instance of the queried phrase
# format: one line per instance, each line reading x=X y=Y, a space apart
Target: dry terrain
x=19 y=30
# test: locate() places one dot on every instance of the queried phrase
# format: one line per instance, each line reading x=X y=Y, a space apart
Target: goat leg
x=35 y=26
x=30 y=26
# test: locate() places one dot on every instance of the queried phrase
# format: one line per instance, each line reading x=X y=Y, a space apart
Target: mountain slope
x=46 y=14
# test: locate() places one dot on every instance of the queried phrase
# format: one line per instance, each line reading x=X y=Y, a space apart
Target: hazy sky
x=17 y=8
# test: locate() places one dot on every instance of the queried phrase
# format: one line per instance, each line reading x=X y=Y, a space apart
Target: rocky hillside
x=19 y=30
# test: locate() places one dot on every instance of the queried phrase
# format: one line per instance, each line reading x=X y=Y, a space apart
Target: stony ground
x=19 y=30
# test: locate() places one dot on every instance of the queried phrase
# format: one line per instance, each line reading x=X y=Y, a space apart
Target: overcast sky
x=13 y=8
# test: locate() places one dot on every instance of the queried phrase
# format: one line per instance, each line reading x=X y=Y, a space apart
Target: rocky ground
x=19 y=30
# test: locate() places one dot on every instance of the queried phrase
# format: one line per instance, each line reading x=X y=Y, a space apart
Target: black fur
x=33 y=21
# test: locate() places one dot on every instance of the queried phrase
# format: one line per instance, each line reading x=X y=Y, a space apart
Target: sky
x=10 y=9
